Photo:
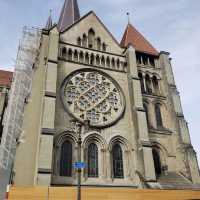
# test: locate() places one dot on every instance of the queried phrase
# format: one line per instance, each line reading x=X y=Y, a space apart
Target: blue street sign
x=79 y=165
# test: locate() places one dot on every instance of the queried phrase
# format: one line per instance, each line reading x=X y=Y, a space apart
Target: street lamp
x=78 y=130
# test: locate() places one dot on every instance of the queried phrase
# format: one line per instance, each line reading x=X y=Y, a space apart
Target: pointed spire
x=140 y=43
x=49 y=22
x=70 y=13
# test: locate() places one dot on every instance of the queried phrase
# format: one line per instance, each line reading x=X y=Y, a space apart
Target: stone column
x=184 y=135
x=139 y=118
x=48 y=128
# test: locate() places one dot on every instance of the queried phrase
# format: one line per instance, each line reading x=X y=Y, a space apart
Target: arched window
x=92 y=59
x=108 y=62
x=70 y=54
x=141 y=82
x=146 y=112
x=81 y=57
x=87 y=58
x=118 y=63
x=158 y=116
x=157 y=162
x=93 y=170
x=84 y=40
x=75 y=56
x=118 y=171
x=103 y=61
x=104 y=47
x=97 y=60
x=91 y=38
x=79 y=41
x=155 y=85
x=66 y=159
x=99 y=44
x=113 y=62
x=64 y=52
x=148 y=84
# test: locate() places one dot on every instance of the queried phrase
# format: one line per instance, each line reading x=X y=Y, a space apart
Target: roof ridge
x=140 y=43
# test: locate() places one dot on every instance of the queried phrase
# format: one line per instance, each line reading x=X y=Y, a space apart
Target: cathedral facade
x=120 y=97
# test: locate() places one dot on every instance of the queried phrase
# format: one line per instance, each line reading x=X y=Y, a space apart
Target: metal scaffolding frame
x=19 y=93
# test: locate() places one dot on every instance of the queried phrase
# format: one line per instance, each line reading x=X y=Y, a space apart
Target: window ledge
x=154 y=96
x=163 y=131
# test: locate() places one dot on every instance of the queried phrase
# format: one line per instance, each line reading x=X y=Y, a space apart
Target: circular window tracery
x=94 y=96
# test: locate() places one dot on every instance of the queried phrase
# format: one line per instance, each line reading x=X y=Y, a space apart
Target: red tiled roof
x=132 y=36
x=5 y=78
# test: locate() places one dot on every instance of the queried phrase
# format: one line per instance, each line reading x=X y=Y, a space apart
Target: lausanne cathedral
x=121 y=98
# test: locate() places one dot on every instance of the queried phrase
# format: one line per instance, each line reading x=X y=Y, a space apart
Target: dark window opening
x=104 y=47
x=157 y=163
x=66 y=159
x=64 y=52
x=118 y=170
x=91 y=38
x=141 y=82
x=147 y=114
x=148 y=84
x=152 y=61
x=98 y=44
x=84 y=40
x=155 y=85
x=79 y=41
x=158 y=116
x=93 y=161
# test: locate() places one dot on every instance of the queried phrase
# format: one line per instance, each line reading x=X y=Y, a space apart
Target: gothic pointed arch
x=117 y=161
x=158 y=115
x=91 y=38
x=93 y=160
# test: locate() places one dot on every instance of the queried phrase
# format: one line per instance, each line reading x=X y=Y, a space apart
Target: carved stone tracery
x=92 y=95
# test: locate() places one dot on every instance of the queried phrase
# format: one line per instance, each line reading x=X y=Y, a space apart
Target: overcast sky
x=172 y=25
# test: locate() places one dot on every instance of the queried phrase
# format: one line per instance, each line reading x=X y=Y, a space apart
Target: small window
x=92 y=60
x=87 y=58
x=103 y=61
x=141 y=82
x=113 y=62
x=145 y=60
x=93 y=160
x=66 y=159
x=91 y=38
x=84 y=40
x=99 y=44
x=158 y=116
x=117 y=156
x=75 y=56
x=79 y=41
x=148 y=84
x=97 y=60
x=152 y=61
x=155 y=85
x=64 y=52
x=104 y=47
x=81 y=57
x=138 y=59
x=108 y=62
x=70 y=54
x=146 y=113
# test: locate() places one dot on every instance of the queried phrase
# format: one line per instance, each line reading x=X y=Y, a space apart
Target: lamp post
x=78 y=130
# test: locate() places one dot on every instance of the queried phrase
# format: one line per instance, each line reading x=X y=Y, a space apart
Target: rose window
x=94 y=96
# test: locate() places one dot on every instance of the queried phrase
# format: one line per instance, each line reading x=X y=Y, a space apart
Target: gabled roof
x=70 y=13
x=5 y=78
x=134 y=37
x=98 y=19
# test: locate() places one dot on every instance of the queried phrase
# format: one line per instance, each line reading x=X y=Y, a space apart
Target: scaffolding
x=28 y=52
